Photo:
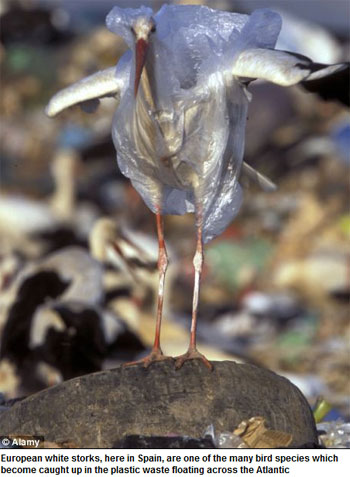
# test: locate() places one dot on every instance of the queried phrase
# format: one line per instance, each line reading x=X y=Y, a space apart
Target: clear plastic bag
x=181 y=142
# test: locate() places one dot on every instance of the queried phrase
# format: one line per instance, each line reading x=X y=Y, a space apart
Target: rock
x=164 y=442
x=101 y=409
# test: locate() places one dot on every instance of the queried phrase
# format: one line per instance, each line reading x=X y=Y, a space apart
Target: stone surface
x=100 y=409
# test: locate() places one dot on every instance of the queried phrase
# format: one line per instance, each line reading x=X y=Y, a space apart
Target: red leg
x=156 y=354
x=192 y=352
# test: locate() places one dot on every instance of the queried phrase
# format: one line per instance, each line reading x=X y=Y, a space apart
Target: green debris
x=344 y=225
x=321 y=410
x=294 y=343
x=22 y=59
x=232 y=261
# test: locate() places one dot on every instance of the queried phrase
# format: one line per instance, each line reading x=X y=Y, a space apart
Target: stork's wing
x=86 y=91
x=286 y=69
x=336 y=86
x=260 y=179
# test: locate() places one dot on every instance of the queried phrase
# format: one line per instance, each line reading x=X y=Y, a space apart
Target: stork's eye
x=153 y=29
x=132 y=30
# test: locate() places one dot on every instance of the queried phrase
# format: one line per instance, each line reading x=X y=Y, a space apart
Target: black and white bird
x=182 y=108
x=54 y=324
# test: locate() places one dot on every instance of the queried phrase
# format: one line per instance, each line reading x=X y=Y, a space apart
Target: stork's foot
x=154 y=356
x=192 y=353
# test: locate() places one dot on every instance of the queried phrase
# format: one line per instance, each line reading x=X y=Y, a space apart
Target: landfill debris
x=321 y=409
x=251 y=434
x=334 y=434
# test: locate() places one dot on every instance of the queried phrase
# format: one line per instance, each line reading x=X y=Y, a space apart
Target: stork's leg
x=192 y=352
x=162 y=267
x=157 y=354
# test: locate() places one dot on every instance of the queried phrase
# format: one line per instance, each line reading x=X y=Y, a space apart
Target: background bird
x=54 y=323
x=183 y=100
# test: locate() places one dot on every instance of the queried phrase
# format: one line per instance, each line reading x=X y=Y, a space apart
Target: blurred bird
x=134 y=254
x=37 y=226
x=54 y=324
x=179 y=127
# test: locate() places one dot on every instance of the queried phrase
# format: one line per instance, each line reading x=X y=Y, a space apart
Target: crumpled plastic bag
x=182 y=145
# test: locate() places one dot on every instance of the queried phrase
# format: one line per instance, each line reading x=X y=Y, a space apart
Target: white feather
x=98 y=85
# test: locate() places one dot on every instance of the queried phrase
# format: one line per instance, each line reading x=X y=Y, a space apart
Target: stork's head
x=142 y=29
x=136 y=26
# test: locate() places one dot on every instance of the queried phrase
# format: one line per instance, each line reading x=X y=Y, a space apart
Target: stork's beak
x=141 y=51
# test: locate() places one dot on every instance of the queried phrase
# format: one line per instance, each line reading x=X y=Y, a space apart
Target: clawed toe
x=157 y=355
x=192 y=354
x=153 y=357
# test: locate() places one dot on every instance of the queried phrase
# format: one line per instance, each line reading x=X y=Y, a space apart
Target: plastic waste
x=196 y=140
